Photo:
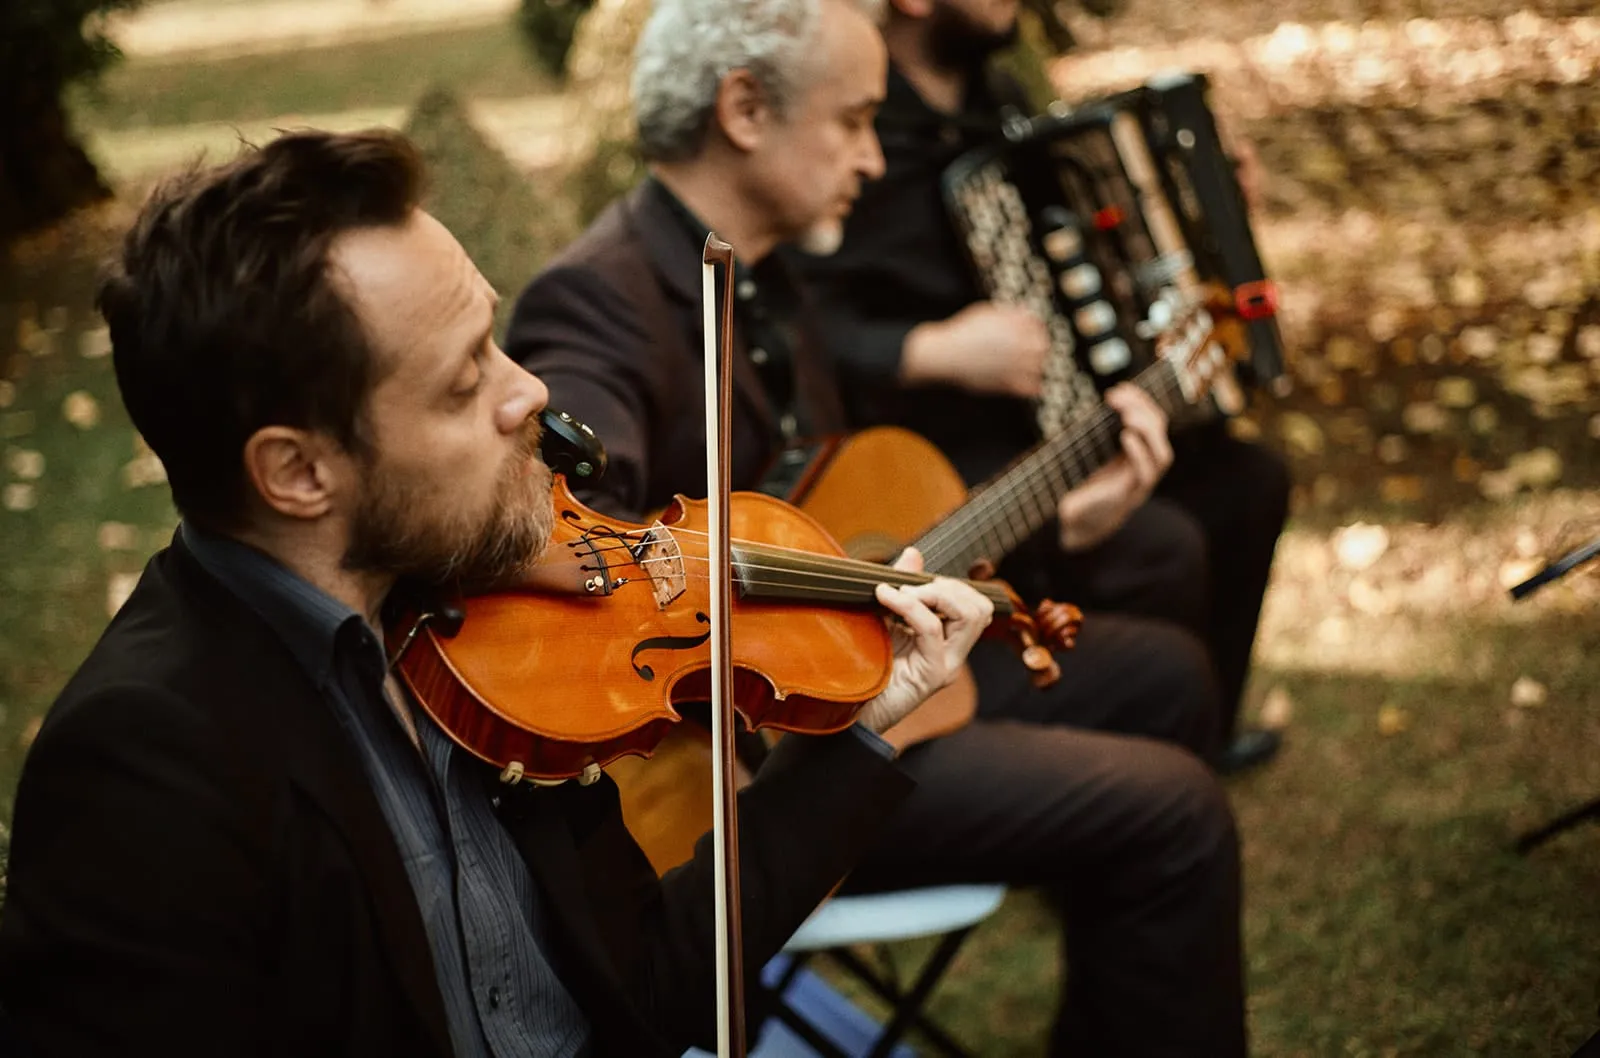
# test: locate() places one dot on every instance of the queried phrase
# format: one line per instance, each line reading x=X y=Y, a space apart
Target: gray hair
x=688 y=47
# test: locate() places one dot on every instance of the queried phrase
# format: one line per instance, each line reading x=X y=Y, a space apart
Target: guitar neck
x=1014 y=505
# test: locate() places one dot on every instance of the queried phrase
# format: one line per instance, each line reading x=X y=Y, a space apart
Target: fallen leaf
x=1358 y=546
x=1301 y=433
x=1484 y=419
x=118 y=587
x=1277 y=708
x=1538 y=468
x=1498 y=484
x=81 y=409
x=1392 y=448
x=25 y=463
x=143 y=470
x=1424 y=416
x=94 y=343
x=1455 y=392
x=1528 y=693
x=1392 y=720
x=1243 y=428
x=117 y=536
x=30 y=731
x=19 y=496
x=1517 y=570
x=8 y=393
x=1402 y=488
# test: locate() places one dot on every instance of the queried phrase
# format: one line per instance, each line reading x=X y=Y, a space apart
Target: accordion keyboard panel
x=1000 y=239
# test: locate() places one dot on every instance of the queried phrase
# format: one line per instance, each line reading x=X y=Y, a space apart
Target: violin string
x=858 y=585
x=865 y=574
x=816 y=559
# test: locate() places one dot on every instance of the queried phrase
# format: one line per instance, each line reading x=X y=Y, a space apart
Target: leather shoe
x=1248 y=750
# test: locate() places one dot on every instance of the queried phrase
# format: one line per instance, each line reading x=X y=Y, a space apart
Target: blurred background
x=1432 y=214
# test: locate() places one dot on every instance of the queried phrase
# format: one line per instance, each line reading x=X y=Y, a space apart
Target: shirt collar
x=308 y=620
x=768 y=274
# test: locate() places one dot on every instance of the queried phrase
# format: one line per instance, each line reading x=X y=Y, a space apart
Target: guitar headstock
x=1194 y=351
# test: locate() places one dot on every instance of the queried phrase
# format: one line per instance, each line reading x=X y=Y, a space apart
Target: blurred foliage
x=508 y=224
x=45 y=45
x=548 y=27
x=477 y=61
x=609 y=171
x=54 y=42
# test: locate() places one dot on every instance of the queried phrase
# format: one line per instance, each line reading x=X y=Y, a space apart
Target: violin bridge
x=662 y=560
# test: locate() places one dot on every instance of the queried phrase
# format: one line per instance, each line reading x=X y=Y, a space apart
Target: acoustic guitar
x=881 y=489
x=885 y=488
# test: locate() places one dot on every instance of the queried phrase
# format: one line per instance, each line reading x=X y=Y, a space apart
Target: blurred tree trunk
x=44 y=172
x=46 y=45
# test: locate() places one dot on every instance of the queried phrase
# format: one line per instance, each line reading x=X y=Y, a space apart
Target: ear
x=292 y=470
x=743 y=111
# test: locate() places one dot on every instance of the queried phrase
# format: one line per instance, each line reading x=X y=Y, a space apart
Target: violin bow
x=725 y=808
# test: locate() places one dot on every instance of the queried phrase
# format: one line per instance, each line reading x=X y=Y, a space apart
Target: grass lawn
x=482 y=62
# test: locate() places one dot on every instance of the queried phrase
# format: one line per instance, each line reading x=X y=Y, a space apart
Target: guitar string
x=973 y=523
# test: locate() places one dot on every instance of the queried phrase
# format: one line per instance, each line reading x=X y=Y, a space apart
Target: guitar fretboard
x=1009 y=508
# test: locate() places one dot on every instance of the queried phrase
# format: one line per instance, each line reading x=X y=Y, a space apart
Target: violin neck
x=795 y=576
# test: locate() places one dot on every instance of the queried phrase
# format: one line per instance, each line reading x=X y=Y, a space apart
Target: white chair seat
x=873 y=918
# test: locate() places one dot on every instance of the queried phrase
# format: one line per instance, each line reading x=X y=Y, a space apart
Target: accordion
x=1108 y=220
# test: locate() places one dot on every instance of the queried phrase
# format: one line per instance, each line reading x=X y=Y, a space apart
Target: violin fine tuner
x=516 y=772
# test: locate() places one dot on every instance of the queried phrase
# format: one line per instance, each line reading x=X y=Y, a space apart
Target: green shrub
x=547 y=27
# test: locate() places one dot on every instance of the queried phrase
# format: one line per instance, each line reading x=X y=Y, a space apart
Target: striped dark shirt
x=501 y=995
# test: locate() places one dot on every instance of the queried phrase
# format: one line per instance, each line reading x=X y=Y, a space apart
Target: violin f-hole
x=667 y=643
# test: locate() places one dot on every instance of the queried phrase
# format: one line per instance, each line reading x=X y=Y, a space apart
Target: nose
x=525 y=396
x=871 y=167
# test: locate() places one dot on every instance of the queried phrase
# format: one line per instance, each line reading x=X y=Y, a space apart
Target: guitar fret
x=1022 y=499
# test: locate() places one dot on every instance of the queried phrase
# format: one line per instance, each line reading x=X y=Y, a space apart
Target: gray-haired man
x=756 y=116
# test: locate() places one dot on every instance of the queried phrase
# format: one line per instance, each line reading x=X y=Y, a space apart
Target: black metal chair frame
x=905 y=1002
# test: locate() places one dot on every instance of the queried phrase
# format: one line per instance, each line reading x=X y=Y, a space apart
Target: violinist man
x=237 y=832
x=756 y=116
x=898 y=304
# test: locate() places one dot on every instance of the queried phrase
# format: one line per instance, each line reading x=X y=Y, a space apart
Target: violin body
x=589 y=661
x=911 y=486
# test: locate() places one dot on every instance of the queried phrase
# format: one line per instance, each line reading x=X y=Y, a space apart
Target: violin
x=589 y=659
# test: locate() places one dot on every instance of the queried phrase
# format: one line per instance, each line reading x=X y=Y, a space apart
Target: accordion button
x=1080 y=281
x=758 y=356
x=1110 y=356
x=1062 y=244
x=1095 y=318
x=746 y=289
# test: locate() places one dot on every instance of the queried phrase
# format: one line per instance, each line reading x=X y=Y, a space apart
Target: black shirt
x=902 y=264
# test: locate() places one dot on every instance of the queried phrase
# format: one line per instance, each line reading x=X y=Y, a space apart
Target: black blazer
x=613 y=327
x=200 y=867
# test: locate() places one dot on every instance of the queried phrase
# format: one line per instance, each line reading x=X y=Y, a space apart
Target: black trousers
x=1197 y=554
x=1094 y=790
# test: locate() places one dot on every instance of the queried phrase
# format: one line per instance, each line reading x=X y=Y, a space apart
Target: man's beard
x=957 y=42
x=397 y=531
x=823 y=238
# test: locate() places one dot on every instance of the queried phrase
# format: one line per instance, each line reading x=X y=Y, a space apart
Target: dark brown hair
x=224 y=317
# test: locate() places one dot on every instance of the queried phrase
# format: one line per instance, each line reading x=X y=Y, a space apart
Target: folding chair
x=951 y=911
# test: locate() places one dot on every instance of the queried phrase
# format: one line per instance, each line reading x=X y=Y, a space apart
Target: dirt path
x=188 y=29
